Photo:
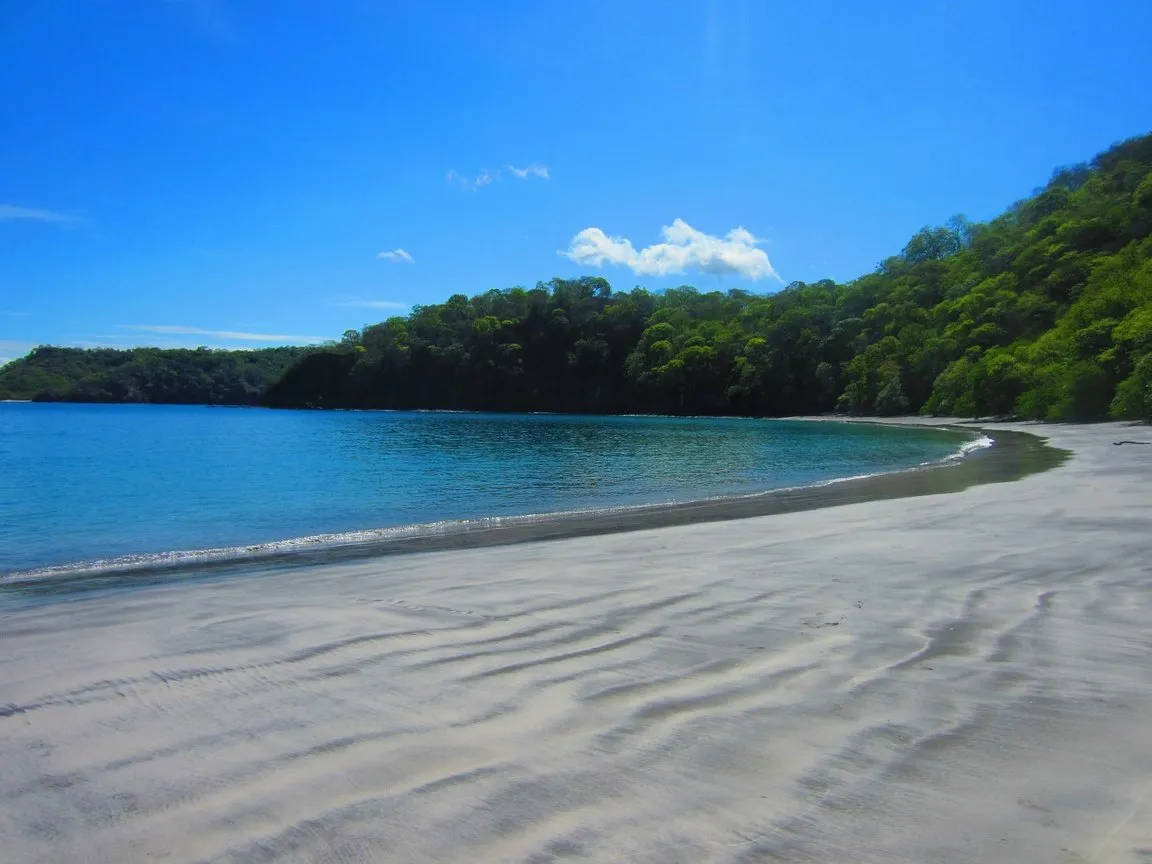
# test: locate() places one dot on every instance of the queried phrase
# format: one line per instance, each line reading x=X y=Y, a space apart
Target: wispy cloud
x=4 y=361
x=484 y=178
x=397 y=255
x=16 y=346
x=356 y=303
x=533 y=170
x=181 y=330
x=11 y=314
x=15 y=213
x=117 y=343
x=684 y=248
x=455 y=177
x=488 y=176
x=98 y=342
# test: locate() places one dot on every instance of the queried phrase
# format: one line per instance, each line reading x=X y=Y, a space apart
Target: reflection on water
x=1015 y=456
x=85 y=482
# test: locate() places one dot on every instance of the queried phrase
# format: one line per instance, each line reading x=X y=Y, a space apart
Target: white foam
x=967 y=447
x=256 y=552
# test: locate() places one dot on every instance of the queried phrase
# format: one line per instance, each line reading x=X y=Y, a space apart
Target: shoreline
x=946 y=678
x=1010 y=456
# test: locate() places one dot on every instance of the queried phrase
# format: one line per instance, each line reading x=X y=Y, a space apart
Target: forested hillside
x=200 y=376
x=1045 y=312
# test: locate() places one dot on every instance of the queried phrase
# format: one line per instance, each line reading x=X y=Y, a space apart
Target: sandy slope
x=955 y=678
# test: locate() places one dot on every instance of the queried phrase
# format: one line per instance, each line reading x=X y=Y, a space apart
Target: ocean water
x=84 y=483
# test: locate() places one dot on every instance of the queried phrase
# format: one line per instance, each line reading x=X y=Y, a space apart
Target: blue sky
x=227 y=173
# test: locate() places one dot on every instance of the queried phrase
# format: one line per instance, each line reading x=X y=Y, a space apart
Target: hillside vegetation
x=1044 y=312
x=199 y=376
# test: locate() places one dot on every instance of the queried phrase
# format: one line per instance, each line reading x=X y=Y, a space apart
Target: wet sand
x=948 y=678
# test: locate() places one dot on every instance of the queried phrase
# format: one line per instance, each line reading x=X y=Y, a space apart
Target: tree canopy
x=1044 y=312
x=189 y=376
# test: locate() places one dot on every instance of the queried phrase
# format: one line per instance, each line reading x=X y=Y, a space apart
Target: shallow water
x=949 y=678
x=88 y=482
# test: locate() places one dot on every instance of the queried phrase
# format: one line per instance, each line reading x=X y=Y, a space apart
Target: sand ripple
x=955 y=678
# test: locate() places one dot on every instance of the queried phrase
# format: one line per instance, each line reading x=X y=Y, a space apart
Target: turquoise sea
x=91 y=483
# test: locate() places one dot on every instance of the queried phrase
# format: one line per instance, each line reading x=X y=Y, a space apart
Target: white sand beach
x=953 y=678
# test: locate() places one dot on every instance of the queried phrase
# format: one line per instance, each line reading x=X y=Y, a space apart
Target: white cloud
x=533 y=170
x=684 y=248
x=181 y=330
x=9 y=313
x=373 y=304
x=125 y=342
x=119 y=346
x=398 y=255
x=488 y=176
x=484 y=178
x=13 y=213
